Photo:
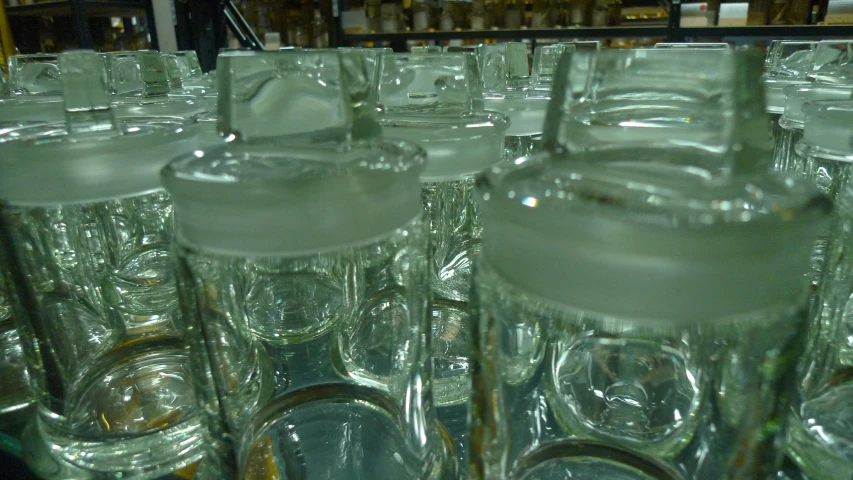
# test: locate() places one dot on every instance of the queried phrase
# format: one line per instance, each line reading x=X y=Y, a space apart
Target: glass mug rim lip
x=805 y=149
x=408 y=156
x=491 y=191
x=594 y=450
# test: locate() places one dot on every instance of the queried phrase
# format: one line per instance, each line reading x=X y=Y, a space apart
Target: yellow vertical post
x=6 y=41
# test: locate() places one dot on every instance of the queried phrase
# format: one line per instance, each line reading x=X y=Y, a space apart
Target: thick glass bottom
x=451 y=349
x=341 y=431
x=521 y=146
x=785 y=158
x=820 y=437
x=588 y=460
x=14 y=377
x=132 y=414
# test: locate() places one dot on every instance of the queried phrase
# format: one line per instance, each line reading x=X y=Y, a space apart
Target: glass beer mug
x=507 y=89
x=435 y=101
x=628 y=326
x=819 y=438
x=87 y=232
x=791 y=123
x=303 y=276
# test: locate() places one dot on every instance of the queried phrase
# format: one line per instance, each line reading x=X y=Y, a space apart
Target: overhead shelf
x=774 y=31
x=585 y=32
x=93 y=8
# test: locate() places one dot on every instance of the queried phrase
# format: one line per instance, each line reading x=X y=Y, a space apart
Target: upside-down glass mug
x=634 y=322
x=301 y=251
x=437 y=104
x=787 y=63
x=819 y=437
x=87 y=231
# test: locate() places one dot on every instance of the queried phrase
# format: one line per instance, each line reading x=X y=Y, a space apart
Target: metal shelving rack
x=81 y=10
x=673 y=32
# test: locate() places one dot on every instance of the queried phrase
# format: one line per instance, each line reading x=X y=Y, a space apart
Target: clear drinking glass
x=139 y=82
x=628 y=326
x=583 y=56
x=507 y=89
x=36 y=91
x=832 y=62
x=14 y=377
x=88 y=234
x=34 y=74
x=692 y=45
x=787 y=63
x=435 y=100
x=784 y=157
x=661 y=98
x=545 y=59
x=819 y=437
x=301 y=256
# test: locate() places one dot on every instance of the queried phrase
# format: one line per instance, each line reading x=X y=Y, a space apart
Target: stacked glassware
x=832 y=62
x=785 y=158
x=139 y=82
x=634 y=322
x=582 y=60
x=505 y=75
x=301 y=251
x=819 y=438
x=692 y=45
x=435 y=100
x=35 y=91
x=787 y=63
x=13 y=373
x=86 y=236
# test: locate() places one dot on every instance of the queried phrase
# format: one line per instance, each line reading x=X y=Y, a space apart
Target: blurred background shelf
x=103 y=25
x=92 y=8
x=769 y=31
x=585 y=32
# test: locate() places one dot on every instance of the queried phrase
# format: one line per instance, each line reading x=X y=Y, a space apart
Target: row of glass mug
x=305 y=331
x=811 y=104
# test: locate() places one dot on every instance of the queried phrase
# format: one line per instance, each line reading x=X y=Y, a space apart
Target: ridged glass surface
x=521 y=146
x=820 y=437
x=14 y=376
x=785 y=158
x=119 y=391
x=319 y=362
x=674 y=398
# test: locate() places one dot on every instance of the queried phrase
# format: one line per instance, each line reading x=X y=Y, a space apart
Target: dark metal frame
x=202 y=27
x=77 y=11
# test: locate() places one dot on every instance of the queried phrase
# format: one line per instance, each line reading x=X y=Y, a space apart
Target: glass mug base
x=133 y=418
x=821 y=445
x=339 y=431
x=14 y=377
x=451 y=341
x=579 y=459
x=521 y=146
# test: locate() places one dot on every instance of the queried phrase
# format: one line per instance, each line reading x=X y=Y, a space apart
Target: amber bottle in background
x=581 y=12
x=374 y=17
x=479 y=15
x=445 y=18
x=759 y=12
x=543 y=14
x=793 y=12
x=513 y=14
x=498 y=11
x=422 y=15
x=614 y=10
x=320 y=30
x=561 y=13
